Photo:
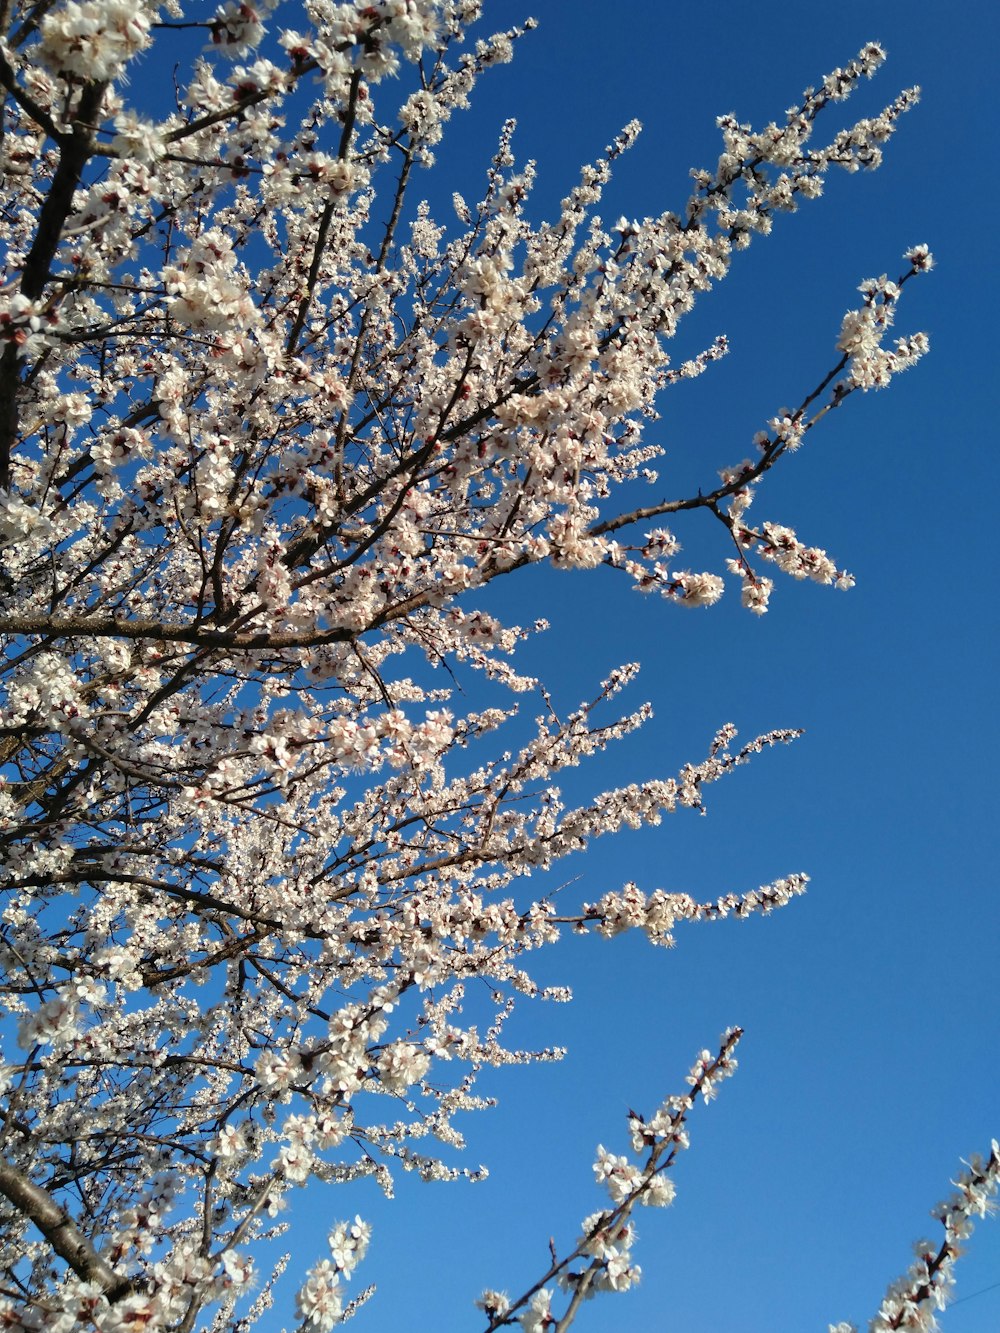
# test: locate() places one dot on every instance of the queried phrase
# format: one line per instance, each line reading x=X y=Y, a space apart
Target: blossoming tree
x=267 y=426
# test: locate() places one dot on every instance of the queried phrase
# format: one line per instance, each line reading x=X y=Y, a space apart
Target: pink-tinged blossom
x=920 y=257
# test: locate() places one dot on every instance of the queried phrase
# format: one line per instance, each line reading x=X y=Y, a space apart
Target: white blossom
x=320 y=1302
x=538 y=1315
x=94 y=39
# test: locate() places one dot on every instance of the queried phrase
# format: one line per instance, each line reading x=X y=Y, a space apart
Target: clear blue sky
x=869 y=1065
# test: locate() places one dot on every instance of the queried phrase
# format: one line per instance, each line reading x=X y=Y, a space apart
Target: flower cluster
x=602 y=1258
x=94 y=39
x=275 y=786
x=25 y=324
x=870 y=365
x=209 y=292
x=926 y=1286
x=320 y=1302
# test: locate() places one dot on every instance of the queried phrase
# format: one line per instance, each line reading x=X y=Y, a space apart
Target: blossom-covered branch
x=912 y=1299
x=605 y=1246
x=274 y=783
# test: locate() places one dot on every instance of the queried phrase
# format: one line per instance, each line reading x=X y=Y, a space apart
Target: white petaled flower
x=349 y=1244
x=659 y=543
x=299 y=1129
x=83 y=990
x=859 y=332
x=756 y=593
x=602 y=1241
x=53 y=1023
x=618 y=1274
x=236 y=27
x=620 y=1177
x=422 y=116
x=26 y=324
x=695 y=589
x=93 y=39
x=659 y=1192
x=920 y=257
x=331 y=1130
x=494 y=1304
x=18 y=519
x=294 y=1161
x=538 y=1316
x=401 y=1065
x=320 y=1300
x=277 y=1070
x=238 y=1268
x=210 y=291
x=229 y=1142
x=137 y=139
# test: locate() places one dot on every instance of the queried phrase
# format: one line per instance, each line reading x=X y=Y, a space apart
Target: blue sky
x=869 y=1063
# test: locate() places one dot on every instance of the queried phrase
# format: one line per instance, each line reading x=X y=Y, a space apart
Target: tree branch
x=62 y=1233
